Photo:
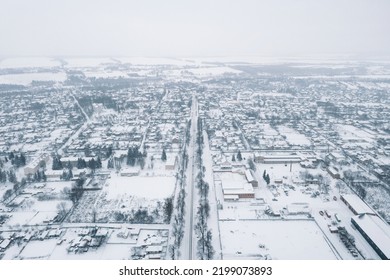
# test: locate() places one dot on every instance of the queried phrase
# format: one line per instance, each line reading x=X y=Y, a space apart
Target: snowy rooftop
x=377 y=230
x=357 y=204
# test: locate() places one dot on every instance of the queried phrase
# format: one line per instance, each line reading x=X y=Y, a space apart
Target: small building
x=54 y=174
x=129 y=172
x=34 y=165
x=154 y=249
x=277 y=159
x=333 y=172
x=171 y=163
x=4 y=244
x=250 y=178
x=244 y=191
x=226 y=165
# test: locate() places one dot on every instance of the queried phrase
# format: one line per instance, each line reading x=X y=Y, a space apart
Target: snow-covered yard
x=285 y=240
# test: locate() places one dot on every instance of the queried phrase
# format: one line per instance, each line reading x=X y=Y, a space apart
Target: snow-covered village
x=206 y=158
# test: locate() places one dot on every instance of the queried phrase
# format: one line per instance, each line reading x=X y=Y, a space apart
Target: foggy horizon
x=195 y=28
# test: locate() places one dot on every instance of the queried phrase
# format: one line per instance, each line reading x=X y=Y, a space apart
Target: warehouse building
x=375 y=231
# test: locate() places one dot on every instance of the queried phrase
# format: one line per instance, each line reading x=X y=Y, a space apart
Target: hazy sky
x=193 y=27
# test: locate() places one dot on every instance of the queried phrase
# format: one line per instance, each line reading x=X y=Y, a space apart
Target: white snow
x=87 y=62
x=153 y=61
x=29 y=62
x=285 y=240
x=26 y=78
x=148 y=187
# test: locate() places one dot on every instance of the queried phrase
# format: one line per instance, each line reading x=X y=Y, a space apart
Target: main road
x=188 y=248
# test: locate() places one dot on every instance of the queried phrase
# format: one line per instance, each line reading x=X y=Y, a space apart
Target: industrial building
x=375 y=231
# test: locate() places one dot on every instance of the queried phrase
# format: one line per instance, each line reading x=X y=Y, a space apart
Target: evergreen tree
x=57 y=164
x=44 y=178
x=92 y=164
x=80 y=163
x=267 y=179
x=110 y=163
x=233 y=158
x=11 y=176
x=98 y=163
x=22 y=160
x=164 y=155
x=239 y=157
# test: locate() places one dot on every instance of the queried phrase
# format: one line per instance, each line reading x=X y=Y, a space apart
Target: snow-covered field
x=29 y=62
x=153 y=61
x=287 y=240
x=26 y=78
x=73 y=62
x=142 y=187
x=104 y=74
x=293 y=137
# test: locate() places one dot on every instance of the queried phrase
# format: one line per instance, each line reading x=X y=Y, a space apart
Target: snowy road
x=188 y=250
x=77 y=133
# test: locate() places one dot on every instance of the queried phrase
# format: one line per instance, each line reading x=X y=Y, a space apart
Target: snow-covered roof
x=357 y=204
x=248 y=175
x=377 y=230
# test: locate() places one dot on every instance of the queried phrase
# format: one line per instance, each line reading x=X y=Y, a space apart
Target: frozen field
x=286 y=240
x=29 y=62
x=142 y=187
x=153 y=61
x=87 y=62
x=349 y=132
x=104 y=74
x=27 y=78
x=293 y=137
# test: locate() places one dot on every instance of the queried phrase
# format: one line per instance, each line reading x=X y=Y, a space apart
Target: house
x=34 y=165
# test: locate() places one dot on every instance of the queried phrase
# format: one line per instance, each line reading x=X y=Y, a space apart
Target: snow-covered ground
x=143 y=187
x=104 y=74
x=245 y=224
x=26 y=78
x=29 y=62
x=84 y=62
x=153 y=61
x=286 y=240
x=293 y=137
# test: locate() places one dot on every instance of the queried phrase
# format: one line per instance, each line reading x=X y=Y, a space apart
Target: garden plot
x=38 y=249
x=350 y=133
x=125 y=199
x=157 y=187
x=286 y=240
x=293 y=137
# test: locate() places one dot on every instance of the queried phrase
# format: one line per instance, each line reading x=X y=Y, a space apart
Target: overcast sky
x=194 y=27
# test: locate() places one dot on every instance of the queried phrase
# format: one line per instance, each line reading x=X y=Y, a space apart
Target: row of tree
x=204 y=245
x=81 y=163
x=17 y=160
x=10 y=175
x=205 y=250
